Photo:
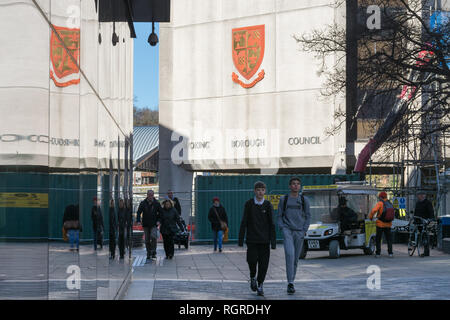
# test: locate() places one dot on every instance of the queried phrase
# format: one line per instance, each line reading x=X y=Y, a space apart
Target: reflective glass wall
x=65 y=139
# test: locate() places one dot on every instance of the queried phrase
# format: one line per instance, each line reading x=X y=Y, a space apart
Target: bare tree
x=144 y=116
x=401 y=73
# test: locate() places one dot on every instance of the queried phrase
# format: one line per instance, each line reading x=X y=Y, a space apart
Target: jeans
x=150 y=240
x=379 y=235
x=74 y=236
x=218 y=236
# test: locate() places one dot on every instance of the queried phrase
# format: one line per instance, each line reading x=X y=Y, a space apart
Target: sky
x=146 y=66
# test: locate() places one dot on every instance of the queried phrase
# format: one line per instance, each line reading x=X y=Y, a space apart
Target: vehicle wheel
x=304 y=251
x=371 y=248
x=335 y=250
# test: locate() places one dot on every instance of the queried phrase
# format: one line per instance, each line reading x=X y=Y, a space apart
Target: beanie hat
x=216 y=199
x=382 y=195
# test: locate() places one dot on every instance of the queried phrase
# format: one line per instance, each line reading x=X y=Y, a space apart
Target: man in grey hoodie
x=293 y=219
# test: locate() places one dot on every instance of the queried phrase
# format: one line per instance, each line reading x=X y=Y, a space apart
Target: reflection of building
x=145 y=151
x=67 y=106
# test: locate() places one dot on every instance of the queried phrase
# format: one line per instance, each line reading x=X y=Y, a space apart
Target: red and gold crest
x=63 y=70
x=248 y=53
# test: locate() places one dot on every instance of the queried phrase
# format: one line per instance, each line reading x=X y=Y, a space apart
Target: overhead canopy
x=141 y=10
x=146 y=147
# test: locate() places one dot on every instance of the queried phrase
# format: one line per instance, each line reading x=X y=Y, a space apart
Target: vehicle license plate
x=313 y=244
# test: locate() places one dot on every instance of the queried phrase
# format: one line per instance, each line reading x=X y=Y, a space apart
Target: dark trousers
x=98 y=238
x=169 y=246
x=258 y=258
x=112 y=244
x=387 y=234
x=122 y=243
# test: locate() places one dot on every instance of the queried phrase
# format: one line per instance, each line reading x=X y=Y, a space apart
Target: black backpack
x=285 y=200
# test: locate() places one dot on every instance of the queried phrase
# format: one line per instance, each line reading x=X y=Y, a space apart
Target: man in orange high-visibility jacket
x=382 y=227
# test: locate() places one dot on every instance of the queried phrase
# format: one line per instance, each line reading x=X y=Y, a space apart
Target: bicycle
x=419 y=237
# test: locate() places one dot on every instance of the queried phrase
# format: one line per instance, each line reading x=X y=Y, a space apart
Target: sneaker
x=220 y=250
x=391 y=255
x=154 y=256
x=290 y=288
x=260 y=291
x=253 y=284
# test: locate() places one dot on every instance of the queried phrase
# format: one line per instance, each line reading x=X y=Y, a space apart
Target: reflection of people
x=169 y=220
x=176 y=202
x=382 y=226
x=71 y=223
x=424 y=207
x=122 y=219
x=97 y=224
x=129 y=222
x=216 y=215
x=150 y=210
x=294 y=217
x=112 y=230
x=259 y=230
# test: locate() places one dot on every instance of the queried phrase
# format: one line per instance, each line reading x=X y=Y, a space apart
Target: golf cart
x=328 y=233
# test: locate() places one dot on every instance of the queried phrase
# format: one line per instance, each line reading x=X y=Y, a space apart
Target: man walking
x=175 y=201
x=424 y=207
x=384 y=212
x=293 y=219
x=259 y=230
x=97 y=223
x=150 y=210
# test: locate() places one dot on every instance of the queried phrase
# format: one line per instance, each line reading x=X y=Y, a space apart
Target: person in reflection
x=122 y=218
x=112 y=230
x=129 y=224
x=97 y=224
x=150 y=209
x=169 y=220
x=71 y=223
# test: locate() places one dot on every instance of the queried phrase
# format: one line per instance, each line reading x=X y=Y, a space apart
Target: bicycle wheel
x=425 y=245
x=412 y=243
x=420 y=245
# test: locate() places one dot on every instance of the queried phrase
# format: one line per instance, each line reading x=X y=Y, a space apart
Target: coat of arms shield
x=63 y=70
x=248 y=53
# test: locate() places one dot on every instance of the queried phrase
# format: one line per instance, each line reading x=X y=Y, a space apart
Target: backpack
x=286 y=200
x=388 y=212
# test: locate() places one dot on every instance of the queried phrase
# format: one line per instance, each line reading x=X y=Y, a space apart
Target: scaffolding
x=419 y=163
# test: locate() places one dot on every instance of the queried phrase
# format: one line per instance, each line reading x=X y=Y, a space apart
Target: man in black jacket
x=424 y=207
x=97 y=224
x=176 y=202
x=150 y=210
x=258 y=226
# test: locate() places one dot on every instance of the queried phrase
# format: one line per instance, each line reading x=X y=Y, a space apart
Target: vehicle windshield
x=361 y=203
x=323 y=202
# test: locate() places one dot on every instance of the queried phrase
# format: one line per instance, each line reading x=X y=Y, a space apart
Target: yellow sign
x=331 y=186
x=23 y=200
x=274 y=199
x=395 y=203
